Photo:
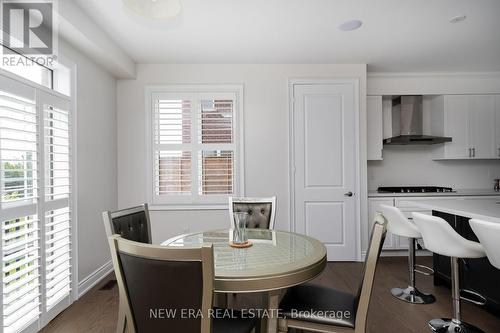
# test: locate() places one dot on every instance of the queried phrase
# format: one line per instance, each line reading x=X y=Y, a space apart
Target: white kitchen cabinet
x=497 y=125
x=452 y=113
x=470 y=121
x=482 y=126
x=374 y=207
x=374 y=127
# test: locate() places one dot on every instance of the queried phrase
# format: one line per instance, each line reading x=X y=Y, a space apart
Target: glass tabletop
x=272 y=253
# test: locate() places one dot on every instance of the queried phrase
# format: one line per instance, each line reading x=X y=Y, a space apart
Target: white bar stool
x=399 y=225
x=439 y=237
x=488 y=234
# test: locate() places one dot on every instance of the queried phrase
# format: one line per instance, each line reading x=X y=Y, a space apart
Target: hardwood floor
x=97 y=310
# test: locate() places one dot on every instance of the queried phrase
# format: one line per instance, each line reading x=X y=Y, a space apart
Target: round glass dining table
x=276 y=260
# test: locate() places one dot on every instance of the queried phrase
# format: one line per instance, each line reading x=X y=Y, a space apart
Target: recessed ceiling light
x=350 y=25
x=458 y=18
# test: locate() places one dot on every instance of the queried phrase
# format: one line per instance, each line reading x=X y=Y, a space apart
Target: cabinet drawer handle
x=473 y=152
x=470 y=152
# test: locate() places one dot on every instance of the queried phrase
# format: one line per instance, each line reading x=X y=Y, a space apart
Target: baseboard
x=399 y=253
x=94 y=278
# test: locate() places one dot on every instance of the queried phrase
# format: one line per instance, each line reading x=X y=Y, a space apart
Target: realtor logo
x=29 y=29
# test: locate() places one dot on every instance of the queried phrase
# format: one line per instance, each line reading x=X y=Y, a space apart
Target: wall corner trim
x=94 y=278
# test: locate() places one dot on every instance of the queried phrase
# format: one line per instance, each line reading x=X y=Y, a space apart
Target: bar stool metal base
x=412 y=295
x=446 y=325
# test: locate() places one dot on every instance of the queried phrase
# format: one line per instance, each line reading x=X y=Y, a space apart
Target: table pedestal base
x=271 y=303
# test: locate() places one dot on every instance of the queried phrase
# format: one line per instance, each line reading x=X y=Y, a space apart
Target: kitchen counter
x=458 y=193
x=484 y=209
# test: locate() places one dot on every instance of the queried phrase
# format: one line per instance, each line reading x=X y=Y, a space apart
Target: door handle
x=348 y=194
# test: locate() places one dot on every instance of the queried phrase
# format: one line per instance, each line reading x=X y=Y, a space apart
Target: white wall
x=96 y=158
x=266 y=134
x=414 y=165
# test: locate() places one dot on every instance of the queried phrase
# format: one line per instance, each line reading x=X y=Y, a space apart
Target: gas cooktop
x=415 y=189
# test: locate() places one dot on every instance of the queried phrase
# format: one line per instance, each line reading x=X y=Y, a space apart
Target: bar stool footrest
x=429 y=272
x=481 y=301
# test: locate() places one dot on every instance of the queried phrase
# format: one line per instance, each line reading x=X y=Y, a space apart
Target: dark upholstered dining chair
x=130 y=223
x=261 y=211
x=157 y=284
x=321 y=309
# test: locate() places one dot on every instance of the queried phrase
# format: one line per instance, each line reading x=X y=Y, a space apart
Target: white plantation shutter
x=20 y=272
x=56 y=205
x=58 y=255
x=194 y=146
x=215 y=172
x=215 y=121
x=172 y=121
x=35 y=185
x=57 y=152
x=173 y=170
x=215 y=135
x=20 y=235
x=18 y=145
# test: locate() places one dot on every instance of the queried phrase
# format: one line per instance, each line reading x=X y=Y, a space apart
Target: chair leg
x=454 y=324
x=411 y=294
x=455 y=290
x=121 y=324
x=282 y=326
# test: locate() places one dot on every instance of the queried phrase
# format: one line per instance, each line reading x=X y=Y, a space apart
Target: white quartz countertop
x=459 y=193
x=483 y=209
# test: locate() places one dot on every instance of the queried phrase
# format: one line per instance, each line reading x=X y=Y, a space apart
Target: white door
x=325 y=151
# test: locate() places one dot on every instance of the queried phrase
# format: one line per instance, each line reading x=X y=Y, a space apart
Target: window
x=36 y=205
x=195 y=155
x=27 y=68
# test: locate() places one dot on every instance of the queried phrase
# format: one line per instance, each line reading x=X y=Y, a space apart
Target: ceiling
x=396 y=35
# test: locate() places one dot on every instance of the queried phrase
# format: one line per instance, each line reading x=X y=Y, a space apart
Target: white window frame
x=195 y=202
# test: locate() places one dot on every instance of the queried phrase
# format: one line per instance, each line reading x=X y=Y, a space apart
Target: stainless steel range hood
x=407 y=123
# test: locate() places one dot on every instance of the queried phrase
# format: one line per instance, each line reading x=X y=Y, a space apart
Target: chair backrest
x=488 y=234
x=156 y=283
x=439 y=237
x=372 y=255
x=397 y=223
x=261 y=211
x=130 y=223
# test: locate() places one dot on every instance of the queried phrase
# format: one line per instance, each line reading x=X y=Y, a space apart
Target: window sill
x=160 y=207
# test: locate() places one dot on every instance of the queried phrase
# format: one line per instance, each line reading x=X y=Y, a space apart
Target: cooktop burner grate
x=415 y=189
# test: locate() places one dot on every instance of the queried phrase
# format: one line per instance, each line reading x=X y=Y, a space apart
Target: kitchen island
x=477 y=275
x=477 y=208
